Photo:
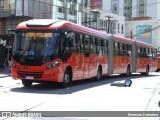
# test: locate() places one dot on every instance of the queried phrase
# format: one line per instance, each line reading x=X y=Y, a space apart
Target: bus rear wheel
x=67 y=79
x=26 y=83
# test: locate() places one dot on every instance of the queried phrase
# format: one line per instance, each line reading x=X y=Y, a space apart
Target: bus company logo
x=23 y=67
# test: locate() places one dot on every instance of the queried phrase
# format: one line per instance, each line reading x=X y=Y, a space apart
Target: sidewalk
x=5 y=72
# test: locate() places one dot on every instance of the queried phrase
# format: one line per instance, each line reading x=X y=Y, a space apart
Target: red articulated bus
x=58 y=51
x=128 y=56
x=122 y=59
x=62 y=51
x=145 y=58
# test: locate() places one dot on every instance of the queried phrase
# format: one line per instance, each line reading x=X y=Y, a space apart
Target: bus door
x=116 y=59
x=93 y=59
x=154 y=60
x=86 y=56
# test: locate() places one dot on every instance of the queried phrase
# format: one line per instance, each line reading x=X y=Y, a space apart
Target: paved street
x=86 y=95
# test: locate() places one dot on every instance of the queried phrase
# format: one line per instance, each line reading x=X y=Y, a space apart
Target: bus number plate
x=30 y=77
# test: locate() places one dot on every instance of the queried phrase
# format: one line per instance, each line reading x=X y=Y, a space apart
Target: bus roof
x=122 y=39
x=143 y=44
x=53 y=24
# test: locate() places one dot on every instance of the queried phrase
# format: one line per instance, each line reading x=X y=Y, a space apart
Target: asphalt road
x=86 y=95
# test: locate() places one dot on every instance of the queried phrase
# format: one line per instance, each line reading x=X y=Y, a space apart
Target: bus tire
x=67 y=79
x=99 y=74
x=26 y=83
x=128 y=73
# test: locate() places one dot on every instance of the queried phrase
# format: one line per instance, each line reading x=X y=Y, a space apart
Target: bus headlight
x=13 y=63
x=51 y=65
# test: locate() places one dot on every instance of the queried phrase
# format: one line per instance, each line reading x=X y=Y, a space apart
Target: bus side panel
x=116 y=65
x=77 y=63
x=104 y=63
x=124 y=62
x=155 y=65
x=139 y=65
x=93 y=65
x=142 y=64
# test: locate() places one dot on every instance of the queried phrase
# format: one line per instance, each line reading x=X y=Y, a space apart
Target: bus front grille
x=24 y=74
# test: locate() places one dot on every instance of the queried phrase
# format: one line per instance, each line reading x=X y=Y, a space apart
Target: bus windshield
x=35 y=44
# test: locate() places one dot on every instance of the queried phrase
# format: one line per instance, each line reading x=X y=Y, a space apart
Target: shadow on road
x=54 y=88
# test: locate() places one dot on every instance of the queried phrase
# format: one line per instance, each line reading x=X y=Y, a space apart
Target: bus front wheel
x=67 y=79
x=26 y=83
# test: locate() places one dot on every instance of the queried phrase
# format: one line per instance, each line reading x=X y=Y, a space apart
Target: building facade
x=145 y=31
x=107 y=22
x=119 y=7
x=133 y=8
x=13 y=12
x=150 y=8
x=112 y=23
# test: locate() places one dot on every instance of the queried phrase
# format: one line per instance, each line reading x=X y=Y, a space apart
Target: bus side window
x=92 y=44
x=150 y=53
x=73 y=42
x=106 y=47
x=129 y=50
x=115 y=48
x=87 y=45
x=120 y=52
x=138 y=52
x=145 y=53
x=153 y=54
x=77 y=43
x=81 y=44
x=97 y=45
x=141 y=52
x=100 y=47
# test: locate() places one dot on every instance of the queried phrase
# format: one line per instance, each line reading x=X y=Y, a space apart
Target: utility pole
x=131 y=34
x=109 y=21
